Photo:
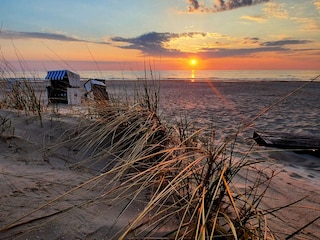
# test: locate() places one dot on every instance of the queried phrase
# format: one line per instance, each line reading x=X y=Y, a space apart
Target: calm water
x=193 y=75
x=212 y=75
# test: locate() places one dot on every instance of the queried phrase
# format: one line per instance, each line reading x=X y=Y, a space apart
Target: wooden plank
x=288 y=141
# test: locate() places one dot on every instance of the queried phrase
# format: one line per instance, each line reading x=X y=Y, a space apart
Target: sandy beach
x=42 y=190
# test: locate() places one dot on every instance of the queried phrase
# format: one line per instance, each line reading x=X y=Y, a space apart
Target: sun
x=193 y=62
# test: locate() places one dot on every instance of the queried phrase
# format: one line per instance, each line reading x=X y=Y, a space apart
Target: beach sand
x=39 y=194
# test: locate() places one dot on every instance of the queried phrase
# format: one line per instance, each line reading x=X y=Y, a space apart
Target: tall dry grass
x=186 y=186
x=19 y=93
x=6 y=128
x=190 y=183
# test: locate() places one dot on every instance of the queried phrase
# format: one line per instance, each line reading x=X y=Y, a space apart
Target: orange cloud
x=317 y=4
x=256 y=18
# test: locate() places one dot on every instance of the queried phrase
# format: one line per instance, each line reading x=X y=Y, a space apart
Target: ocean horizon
x=192 y=75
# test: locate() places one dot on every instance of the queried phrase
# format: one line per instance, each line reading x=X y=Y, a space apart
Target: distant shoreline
x=42 y=80
x=182 y=75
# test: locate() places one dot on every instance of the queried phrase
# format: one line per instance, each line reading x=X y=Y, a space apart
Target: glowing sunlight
x=193 y=62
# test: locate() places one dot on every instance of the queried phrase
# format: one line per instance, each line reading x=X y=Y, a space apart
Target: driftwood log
x=296 y=143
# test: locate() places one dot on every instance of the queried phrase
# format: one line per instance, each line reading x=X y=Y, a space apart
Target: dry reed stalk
x=185 y=184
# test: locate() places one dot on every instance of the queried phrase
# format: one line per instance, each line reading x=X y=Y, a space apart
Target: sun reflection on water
x=193 y=75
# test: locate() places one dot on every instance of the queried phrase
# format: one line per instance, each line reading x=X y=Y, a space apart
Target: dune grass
x=187 y=186
x=20 y=94
x=6 y=127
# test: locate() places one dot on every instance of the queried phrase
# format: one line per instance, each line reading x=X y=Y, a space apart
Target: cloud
x=214 y=45
x=194 y=3
x=270 y=10
x=317 y=4
x=238 y=52
x=221 y=5
x=307 y=24
x=275 y=10
x=40 y=35
x=180 y=45
x=150 y=43
x=256 y=18
x=154 y=43
x=36 y=35
x=286 y=42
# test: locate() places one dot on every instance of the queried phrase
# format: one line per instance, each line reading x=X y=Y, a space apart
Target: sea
x=192 y=75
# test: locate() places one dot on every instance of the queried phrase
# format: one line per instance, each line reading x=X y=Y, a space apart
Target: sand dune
x=43 y=196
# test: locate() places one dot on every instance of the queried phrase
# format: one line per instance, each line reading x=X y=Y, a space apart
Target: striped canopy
x=56 y=75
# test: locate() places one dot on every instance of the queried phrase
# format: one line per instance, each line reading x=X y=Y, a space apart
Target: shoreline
x=192 y=80
x=219 y=75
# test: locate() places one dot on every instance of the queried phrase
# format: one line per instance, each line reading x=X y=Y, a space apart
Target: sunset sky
x=123 y=34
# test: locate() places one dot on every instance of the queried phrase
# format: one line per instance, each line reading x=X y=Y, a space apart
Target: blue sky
x=221 y=34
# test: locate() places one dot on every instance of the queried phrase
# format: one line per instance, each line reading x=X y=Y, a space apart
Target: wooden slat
x=288 y=141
